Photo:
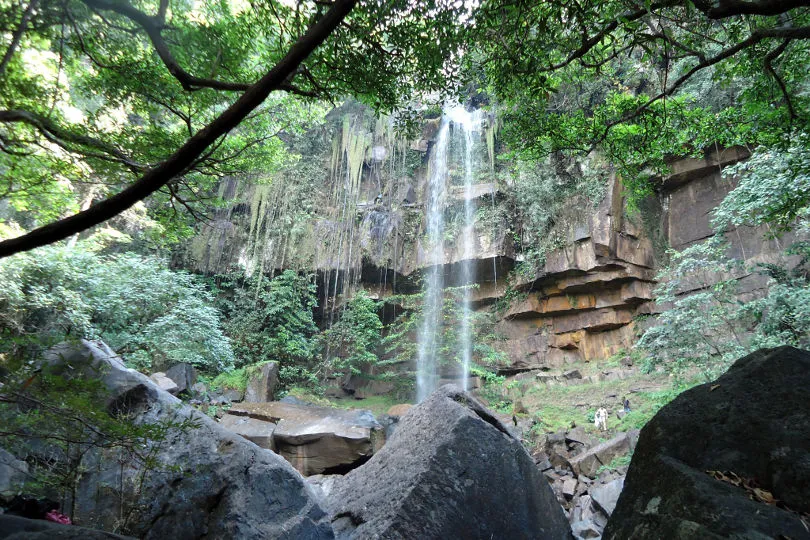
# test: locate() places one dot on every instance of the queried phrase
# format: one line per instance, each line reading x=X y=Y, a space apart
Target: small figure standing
x=626 y=405
x=600 y=419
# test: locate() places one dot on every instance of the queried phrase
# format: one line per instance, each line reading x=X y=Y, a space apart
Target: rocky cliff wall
x=359 y=222
x=584 y=303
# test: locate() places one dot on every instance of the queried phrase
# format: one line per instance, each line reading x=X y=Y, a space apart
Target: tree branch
x=62 y=137
x=769 y=58
x=153 y=26
x=723 y=9
x=17 y=36
x=160 y=175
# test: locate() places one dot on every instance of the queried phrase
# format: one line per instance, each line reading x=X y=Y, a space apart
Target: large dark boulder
x=184 y=375
x=754 y=421
x=20 y=528
x=451 y=470
x=205 y=482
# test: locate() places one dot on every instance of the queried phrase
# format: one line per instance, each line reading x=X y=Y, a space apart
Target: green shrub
x=149 y=314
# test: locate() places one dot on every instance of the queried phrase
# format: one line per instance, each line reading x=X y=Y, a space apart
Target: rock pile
x=573 y=461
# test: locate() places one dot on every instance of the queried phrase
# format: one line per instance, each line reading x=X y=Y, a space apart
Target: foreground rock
x=19 y=528
x=451 y=470
x=753 y=423
x=206 y=482
x=316 y=440
x=13 y=472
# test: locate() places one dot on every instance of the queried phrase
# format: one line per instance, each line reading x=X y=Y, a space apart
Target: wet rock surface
x=451 y=470
x=753 y=424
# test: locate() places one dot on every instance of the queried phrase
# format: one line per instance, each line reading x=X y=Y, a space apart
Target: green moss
x=236 y=379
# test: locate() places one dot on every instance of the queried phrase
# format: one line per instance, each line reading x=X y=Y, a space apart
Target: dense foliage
x=272 y=320
x=153 y=316
x=351 y=344
x=642 y=82
x=709 y=320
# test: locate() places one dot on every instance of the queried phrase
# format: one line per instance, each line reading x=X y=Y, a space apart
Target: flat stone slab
x=317 y=440
x=259 y=432
x=589 y=462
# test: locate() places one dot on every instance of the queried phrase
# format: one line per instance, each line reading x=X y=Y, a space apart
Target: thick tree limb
x=723 y=9
x=753 y=39
x=162 y=174
x=769 y=58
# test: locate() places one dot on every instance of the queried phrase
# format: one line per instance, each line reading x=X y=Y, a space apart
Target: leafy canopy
x=642 y=82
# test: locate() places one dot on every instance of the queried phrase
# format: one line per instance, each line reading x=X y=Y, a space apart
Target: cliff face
x=584 y=303
x=352 y=211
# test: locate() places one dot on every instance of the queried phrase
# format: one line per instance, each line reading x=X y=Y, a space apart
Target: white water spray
x=427 y=375
x=429 y=337
x=470 y=123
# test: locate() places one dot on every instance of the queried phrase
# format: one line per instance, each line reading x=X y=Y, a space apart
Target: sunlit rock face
x=584 y=303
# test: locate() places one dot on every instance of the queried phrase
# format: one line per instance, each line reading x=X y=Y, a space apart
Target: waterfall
x=427 y=374
x=470 y=122
x=428 y=350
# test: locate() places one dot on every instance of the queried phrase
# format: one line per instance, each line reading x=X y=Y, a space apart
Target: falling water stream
x=427 y=375
x=427 y=359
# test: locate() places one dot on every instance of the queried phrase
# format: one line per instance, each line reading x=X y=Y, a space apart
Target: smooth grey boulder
x=451 y=470
x=208 y=483
x=256 y=431
x=754 y=422
x=20 y=528
x=165 y=383
x=184 y=375
x=262 y=384
x=606 y=495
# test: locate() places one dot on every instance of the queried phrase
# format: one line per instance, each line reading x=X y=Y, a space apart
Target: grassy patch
x=235 y=379
x=555 y=417
x=559 y=406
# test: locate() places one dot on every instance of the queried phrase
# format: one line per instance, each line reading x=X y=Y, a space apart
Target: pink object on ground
x=58 y=517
